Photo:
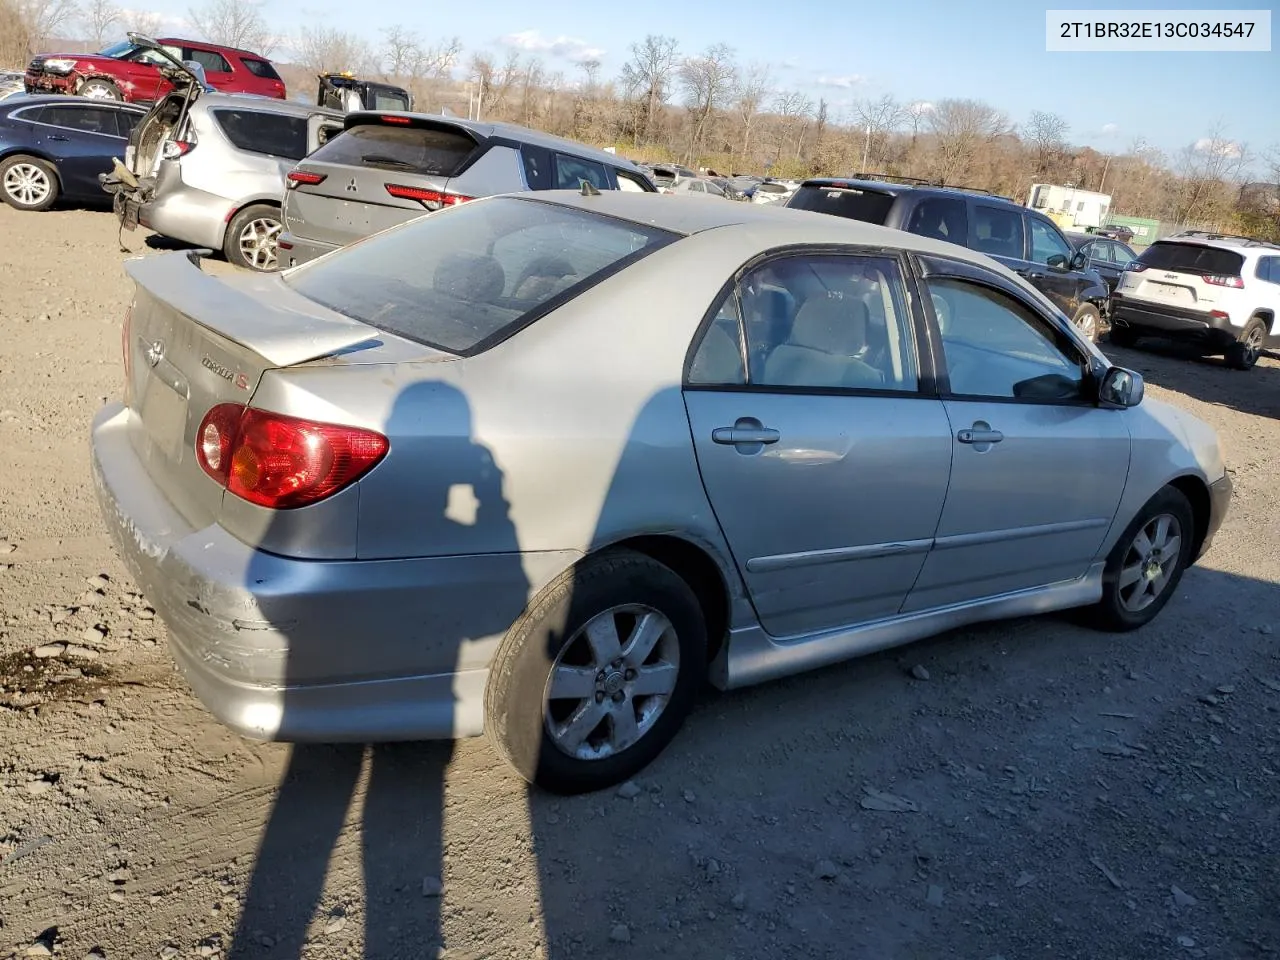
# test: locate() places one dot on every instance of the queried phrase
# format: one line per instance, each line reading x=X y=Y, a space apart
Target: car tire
x=99 y=89
x=1088 y=321
x=1145 y=555
x=1244 y=353
x=610 y=596
x=1122 y=336
x=251 y=238
x=28 y=183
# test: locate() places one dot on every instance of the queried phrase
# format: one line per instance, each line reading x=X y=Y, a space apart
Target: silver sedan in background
x=538 y=466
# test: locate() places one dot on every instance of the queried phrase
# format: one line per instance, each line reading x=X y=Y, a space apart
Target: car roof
x=31 y=100
x=895 y=189
x=291 y=108
x=206 y=45
x=1223 y=241
x=775 y=224
x=512 y=131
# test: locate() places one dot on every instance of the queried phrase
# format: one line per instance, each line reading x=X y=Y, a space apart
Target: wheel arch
x=1196 y=490
x=241 y=205
x=35 y=155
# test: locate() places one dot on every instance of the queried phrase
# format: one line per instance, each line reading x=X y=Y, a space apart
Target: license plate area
x=163 y=409
x=1170 y=292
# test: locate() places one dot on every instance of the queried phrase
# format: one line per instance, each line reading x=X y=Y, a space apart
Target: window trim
x=18 y=115
x=926 y=384
x=935 y=267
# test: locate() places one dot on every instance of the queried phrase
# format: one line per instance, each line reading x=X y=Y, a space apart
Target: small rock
x=432 y=887
x=116 y=896
x=934 y=896
x=1265 y=629
x=61 y=614
x=1226 y=688
x=93 y=635
x=919 y=672
x=145 y=613
x=1187 y=942
x=713 y=866
x=97 y=953
x=90 y=598
x=168 y=951
x=335 y=924
x=689 y=796
x=740 y=901
x=120 y=876
x=98 y=582
x=1024 y=878
x=620 y=933
x=879 y=800
x=82 y=653
x=37 y=787
x=1182 y=898
x=825 y=870
x=39 y=950
x=207 y=950
x=49 y=650
x=6 y=548
x=629 y=790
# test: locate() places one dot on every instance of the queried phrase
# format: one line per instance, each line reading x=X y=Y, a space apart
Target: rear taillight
x=296 y=177
x=1219 y=314
x=176 y=149
x=431 y=199
x=283 y=462
x=1135 y=266
x=1224 y=280
x=404 y=121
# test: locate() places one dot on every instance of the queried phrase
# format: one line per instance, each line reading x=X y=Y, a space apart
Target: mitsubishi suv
x=1212 y=289
x=1027 y=242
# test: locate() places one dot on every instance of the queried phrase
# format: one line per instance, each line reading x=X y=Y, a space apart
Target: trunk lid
x=191 y=342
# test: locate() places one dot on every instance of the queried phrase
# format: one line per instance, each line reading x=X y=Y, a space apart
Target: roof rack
x=892 y=178
x=1214 y=235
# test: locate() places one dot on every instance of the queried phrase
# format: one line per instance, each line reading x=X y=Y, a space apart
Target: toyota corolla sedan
x=538 y=466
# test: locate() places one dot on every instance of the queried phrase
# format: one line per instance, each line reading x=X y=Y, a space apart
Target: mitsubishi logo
x=352 y=185
x=155 y=352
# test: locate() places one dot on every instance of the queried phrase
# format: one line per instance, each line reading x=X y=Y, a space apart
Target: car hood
x=78 y=57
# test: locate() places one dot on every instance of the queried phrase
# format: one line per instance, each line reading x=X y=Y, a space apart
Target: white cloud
x=1220 y=148
x=844 y=82
x=1109 y=129
x=790 y=63
x=921 y=107
x=567 y=48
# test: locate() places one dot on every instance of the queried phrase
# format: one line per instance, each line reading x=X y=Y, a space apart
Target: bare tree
x=495 y=82
x=648 y=75
x=875 y=118
x=401 y=49
x=753 y=87
x=100 y=19
x=961 y=128
x=330 y=50
x=708 y=81
x=15 y=35
x=235 y=23
x=794 y=109
x=1209 y=169
x=145 y=22
x=45 y=20
x=916 y=112
x=1046 y=134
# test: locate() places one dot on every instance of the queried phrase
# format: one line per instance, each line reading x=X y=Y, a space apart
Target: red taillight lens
x=1224 y=280
x=176 y=149
x=431 y=199
x=1219 y=314
x=1135 y=266
x=404 y=121
x=283 y=462
x=304 y=176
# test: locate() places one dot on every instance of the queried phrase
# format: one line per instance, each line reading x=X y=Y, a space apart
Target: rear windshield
x=470 y=276
x=260 y=68
x=868 y=205
x=430 y=151
x=257 y=131
x=1192 y=258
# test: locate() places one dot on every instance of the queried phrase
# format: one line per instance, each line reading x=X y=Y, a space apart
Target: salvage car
x=134 y=70
x=539 y=465
x=53 y=148
x=209 y=169
x=387 y=168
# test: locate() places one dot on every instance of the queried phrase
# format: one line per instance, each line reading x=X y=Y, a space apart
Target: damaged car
x=135 y=70
x=207 y=168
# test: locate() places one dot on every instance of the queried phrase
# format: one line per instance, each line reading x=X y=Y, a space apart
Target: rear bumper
x=304 y=650
x=187 y=214
x=295 y=251
x=1169 y=321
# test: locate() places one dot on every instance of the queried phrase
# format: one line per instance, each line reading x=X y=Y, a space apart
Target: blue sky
x=913 y=49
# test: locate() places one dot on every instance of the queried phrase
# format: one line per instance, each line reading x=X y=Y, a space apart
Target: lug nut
x=599 y=696
x=600 y=677
x=630 y=675
x=619 y=697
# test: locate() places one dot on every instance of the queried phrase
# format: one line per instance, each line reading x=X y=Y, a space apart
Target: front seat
x=826 y=337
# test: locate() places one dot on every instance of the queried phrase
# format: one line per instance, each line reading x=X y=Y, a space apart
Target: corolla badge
x=155 y=352
x=231 y=376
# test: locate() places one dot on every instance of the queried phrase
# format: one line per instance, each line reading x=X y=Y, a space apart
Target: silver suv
x=387 y=168
x=1217 y=290
x=210 y=169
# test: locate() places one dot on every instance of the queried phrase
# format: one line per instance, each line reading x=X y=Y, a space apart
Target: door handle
x=980 y=435
x=747 y=431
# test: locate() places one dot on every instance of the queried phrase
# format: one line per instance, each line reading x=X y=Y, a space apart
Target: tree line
x=709 y=109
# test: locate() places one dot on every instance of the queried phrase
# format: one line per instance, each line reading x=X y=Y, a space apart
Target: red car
x=131 y=72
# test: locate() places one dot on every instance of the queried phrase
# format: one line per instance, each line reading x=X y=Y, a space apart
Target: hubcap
x=1253 y=344
x=1087 y=325
x=1151 y=560
x=611 y=682
x=258 y=243
x=97 y=91
x=27 y=184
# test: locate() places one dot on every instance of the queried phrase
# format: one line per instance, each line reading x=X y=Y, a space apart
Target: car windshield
x=470 y=276
x=118 y=50
x=1192 y=258
x=871 y=206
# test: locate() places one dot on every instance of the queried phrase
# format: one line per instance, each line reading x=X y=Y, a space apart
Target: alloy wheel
x=1252 y=344
x=611 y=682
x=258 y=243
x=1150 y=562
x=27 y=184
x=1088 y=326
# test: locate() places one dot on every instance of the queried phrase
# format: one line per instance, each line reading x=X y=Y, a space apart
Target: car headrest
x=470 y=276
x=837 y=326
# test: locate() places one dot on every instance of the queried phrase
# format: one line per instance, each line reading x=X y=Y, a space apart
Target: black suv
x=1025 y=241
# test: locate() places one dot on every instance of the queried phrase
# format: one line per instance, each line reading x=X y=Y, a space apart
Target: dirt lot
x=1070 y=794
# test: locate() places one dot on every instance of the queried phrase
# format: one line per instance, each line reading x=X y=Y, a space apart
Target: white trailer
x=1070 y=206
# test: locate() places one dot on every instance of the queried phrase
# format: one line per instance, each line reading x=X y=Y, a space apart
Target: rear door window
x=468 y=277
x=1192 y=258
x=630 y=182
x=427 y=151
x=257 y=131
x=571 y=171
x=126 y=120
x=942 y=218
x=537 y=167
x=852 y=203
x=998 y=231
x=81 y=117
x=260 y=68
x=211 y=61
x=1047 y=243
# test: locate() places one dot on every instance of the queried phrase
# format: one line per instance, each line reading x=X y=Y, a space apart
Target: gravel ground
x=1036 y=790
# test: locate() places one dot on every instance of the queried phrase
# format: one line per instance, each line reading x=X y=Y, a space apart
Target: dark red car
x=131 y=71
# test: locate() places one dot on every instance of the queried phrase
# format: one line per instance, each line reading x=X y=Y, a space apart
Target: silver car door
x=1038 y=467
x=822 y=447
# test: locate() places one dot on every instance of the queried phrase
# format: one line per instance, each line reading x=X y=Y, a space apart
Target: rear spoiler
x=281 y=336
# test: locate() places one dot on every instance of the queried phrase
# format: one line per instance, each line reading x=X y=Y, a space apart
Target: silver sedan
x=538 y=466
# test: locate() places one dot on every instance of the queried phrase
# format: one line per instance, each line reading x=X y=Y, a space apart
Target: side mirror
x=1120 y=388
x=1080 y=261
x=1056 y=262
